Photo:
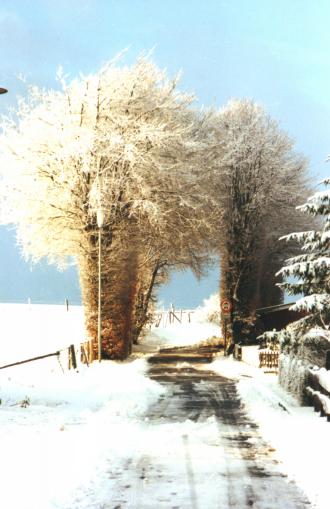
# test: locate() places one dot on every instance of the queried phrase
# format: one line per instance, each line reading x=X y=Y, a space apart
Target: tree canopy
x=123 y=144
x=258 y=180
x=125 y=151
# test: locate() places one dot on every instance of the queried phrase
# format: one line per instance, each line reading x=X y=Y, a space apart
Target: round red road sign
x=226 y=306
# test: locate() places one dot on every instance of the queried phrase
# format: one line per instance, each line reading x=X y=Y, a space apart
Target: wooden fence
x=88 y=352
x=268 y=359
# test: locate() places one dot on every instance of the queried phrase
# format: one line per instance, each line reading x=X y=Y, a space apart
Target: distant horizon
x=79 y=304
x=45 y=284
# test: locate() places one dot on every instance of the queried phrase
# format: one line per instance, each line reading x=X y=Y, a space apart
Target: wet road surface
x=204 y=451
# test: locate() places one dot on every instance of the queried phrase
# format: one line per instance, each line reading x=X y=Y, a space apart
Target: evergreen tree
x=310 y=270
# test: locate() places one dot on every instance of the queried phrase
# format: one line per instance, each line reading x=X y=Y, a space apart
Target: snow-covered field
x=64 y=434
x=32 y=329
x=57 y=428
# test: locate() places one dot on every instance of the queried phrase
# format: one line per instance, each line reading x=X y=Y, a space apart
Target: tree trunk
x=145 y=286
x=118 y=293
x=239 y=275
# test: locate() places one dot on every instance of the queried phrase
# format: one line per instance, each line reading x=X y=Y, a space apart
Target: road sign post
x=225 y=332
x=226 y=308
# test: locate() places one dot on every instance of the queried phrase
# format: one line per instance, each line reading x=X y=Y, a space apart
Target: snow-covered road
x=191 y=446
x=138 y=435
x=209 y=453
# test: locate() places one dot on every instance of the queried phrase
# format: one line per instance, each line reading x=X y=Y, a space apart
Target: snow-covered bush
x=270 y=340
x=313 y=346
x=300 y=352
x=293 y=375
x=306 y=341
x=210 y=310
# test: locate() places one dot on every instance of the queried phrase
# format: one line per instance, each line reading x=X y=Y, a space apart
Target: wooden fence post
x=91 y=352
x=72 y=357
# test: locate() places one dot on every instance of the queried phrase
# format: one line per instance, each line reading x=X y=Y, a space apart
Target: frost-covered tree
x=210 y=310
x=258 y=179
x=310 y=270
x=179 y=246
x=122 y=143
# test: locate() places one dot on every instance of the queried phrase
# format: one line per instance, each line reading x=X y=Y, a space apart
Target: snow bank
x=320 y=401
x=65 y=448
x=299 y=437
x=60 y=433
x=181 y=334
x=123 y=385
x=250 y=355
x=31 y=330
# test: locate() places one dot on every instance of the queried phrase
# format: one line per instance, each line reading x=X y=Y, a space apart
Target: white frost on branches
x=210 y=310
x=123 y=140
x=123 y=144
x=258 y=179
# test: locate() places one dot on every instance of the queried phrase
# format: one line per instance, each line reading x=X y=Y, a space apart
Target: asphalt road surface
x=208 y=453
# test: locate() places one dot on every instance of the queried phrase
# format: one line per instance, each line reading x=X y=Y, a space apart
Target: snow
x=30 y=330
x=67 y=447
x=300 y=437
x=249 y=355
x=319 y=399
x=324 y=378
x=72 y=421
x=209 y=311
x=65 y=437
x=203 y=325
x=182 y=335
x=314 y=302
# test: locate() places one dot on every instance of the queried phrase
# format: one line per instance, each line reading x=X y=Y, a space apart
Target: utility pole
x=100 y=220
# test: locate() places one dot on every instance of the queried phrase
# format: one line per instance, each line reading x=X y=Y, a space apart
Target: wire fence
x=168 y=317
x=58 y=302
x=67 y=358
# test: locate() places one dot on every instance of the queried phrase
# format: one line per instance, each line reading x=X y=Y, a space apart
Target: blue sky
x=274 y=51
